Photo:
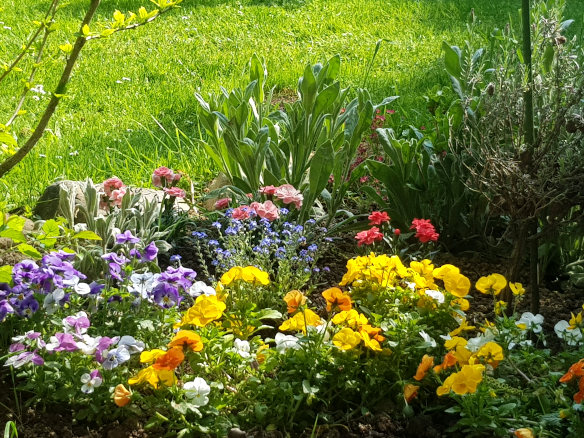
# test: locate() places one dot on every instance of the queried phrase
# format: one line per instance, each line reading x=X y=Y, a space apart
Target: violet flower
x=62 y=342
x=150 y=252
x=5 y=309
x=166 y=295
x=78 y=322
x=28 y=306
x=126 y=237
x=103 y=344
x=24 y=358
x=116 y=357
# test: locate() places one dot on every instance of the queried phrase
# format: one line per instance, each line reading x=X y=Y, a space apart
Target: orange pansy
x=294 y=299
x=336 y=298
x=170 y=360
x=425 y=365
x=187 y=338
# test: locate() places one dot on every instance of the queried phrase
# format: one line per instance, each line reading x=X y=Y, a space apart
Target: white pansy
x=474 y=344
x=241 y=347
x=197 y=391
x=429 y=341
x=530 y=322
x=142 y=284
x=82 y=288
x=89 y=383
x=51 y=302
x=571 y=336
x=88 y=345
x=201 y=288
x=286 y=342
x=435 y=295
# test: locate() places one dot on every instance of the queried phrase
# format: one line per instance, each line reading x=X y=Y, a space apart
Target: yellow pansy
x=207 y=308
x=465 y=381
x=346 y=339
x=371 y=343
x=462 y=354
x=153 y=377
x=151 y=356
x=517 y=288
x=462 y=327
x=575 y=321
x=456 y=283
x=351 y=318
x=493 y=284
x=462 y=303
x=491 y=352
x=299 y=322
x=249 y=274
x=454 y=342
x=443 y=270
x=500 y=306
x=426 y=269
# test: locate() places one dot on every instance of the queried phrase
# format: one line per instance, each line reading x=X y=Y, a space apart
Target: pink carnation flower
x=175 y=192
x=267 y=210
x=117 y=195
x=111 y=184
x=222 y=203
x=289 y=195
x=425 y=231
x=369 y=236
x=240 y=213
x=267 y=190
x=162 y=176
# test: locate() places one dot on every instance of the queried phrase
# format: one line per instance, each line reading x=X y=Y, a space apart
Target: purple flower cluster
x=165 y=289
x=73 y=338
x=55 y=273
x=117 y=261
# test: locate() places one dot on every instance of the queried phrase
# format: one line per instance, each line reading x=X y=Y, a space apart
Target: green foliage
x=303 y=144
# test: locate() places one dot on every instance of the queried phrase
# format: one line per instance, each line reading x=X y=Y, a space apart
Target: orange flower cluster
x=165 y=362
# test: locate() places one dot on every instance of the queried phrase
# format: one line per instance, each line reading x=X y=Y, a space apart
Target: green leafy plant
x=303 y=144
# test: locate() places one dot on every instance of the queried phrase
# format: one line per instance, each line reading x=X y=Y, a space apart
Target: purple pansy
x=166 y=295
x=116 y=357
x=23 y=358
x=78 y=322
x=62 y=342
x=126 y=237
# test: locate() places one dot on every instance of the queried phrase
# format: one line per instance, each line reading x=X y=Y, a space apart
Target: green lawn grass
x=124 y=84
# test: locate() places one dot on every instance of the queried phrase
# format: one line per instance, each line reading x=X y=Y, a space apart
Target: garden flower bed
x=311 y=290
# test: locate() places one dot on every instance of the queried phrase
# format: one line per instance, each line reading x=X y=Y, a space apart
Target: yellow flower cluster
x=249 y=274
x=357 y=329
x=463 y=382
x=301 y=321
x=472 y=366
x=387 y=271
x=206 y=309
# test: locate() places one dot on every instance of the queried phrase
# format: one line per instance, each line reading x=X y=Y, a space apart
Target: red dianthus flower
x=425 y=231
x=369 y=236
